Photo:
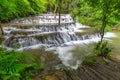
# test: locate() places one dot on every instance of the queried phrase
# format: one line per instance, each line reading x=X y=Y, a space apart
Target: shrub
x=102 y=49
x=13 y=64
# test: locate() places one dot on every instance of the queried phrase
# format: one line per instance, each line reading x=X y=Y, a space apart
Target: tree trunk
x=55 y=10
x=103 y=27
x=48 y=7
x=60 y=4
x=104 y=20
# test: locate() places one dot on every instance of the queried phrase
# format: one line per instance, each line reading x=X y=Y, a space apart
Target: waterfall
x=44 y=30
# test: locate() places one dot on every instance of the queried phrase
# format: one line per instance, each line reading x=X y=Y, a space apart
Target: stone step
x=35 y=25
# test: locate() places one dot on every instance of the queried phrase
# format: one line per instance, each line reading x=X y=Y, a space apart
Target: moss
x=95 y=60
x=1 y=39
x=0 y=32
x=90 y=61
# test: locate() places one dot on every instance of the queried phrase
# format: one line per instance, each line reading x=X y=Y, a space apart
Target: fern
x=13 y=64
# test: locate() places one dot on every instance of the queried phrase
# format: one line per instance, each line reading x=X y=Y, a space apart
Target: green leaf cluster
x=102 y=49
x=86 y=14
x=91 y=12
x=66 y=6
x=10 y=9
x=16 y=65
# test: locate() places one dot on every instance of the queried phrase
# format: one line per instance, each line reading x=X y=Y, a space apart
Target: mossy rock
x=1 y=39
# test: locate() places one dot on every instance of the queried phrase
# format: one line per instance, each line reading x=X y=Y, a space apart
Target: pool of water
x=73 y=53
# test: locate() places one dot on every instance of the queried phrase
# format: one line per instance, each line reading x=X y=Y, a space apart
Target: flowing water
x=43 y=30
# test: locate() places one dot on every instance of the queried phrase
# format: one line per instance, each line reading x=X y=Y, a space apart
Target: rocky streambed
x=93 y=68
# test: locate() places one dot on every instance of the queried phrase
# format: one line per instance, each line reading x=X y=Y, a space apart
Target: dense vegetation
x=89 y=12
x=16 y=65
x=92 y=12
x=10 y=9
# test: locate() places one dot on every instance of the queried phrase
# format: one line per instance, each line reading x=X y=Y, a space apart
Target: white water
x=61 y=38
x=45 y=18
x=74 y=52
x=44 y=35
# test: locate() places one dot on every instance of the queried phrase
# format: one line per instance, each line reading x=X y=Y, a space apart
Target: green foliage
x=6 y=10
x=102 y=49
x=90 y=61
x=37 y=5
x=87 y=14
x=23 y=8
x=66 y=6
x=14 y=64
x=69 y=5
x=51 y=4
x=91 y=12
x=95 y=60
x=10 y=9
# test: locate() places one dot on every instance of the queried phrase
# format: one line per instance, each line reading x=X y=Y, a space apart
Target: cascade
x=43 y=30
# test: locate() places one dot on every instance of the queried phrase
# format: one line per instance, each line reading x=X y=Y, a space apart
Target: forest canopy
x=88 y=12
x=10 y=9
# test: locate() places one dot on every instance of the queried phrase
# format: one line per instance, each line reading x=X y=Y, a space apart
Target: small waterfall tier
x=43 y=30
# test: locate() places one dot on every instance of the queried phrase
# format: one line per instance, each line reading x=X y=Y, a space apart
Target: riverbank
x=93 y=68
x=98 y=68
